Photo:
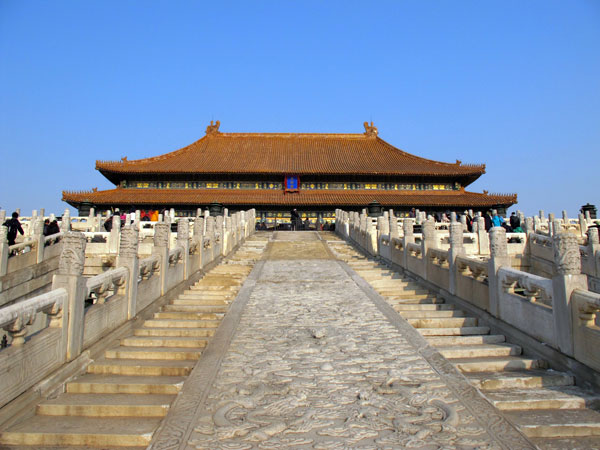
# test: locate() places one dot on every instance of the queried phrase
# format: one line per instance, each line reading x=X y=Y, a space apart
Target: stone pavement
x=309 y=356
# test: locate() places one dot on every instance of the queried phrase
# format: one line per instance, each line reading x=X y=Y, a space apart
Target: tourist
x=515 y=221
x=488 y=220
x=412 y=214
x=53 y=228
x=497 y=221
x=108 y=223
x=154 y=216
x=13 y=226
x=307 y=224
x=46 y=226
x=469 y=221
x=295 y=219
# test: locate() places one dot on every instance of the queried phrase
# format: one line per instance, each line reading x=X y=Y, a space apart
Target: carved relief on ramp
x=315 y=364
x=294 y=245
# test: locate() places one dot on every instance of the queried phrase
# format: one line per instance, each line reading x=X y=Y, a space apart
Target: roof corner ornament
x=458 y=162
x=124 y=159
x=370 y=130
x=485 y=192
x=213 y=128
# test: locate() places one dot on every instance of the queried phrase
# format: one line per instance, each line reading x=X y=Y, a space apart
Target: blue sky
x=513 y=84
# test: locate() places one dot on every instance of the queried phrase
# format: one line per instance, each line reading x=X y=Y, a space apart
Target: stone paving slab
x=310 y=357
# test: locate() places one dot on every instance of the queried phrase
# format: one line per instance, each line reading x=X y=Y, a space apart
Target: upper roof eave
x=298 y=153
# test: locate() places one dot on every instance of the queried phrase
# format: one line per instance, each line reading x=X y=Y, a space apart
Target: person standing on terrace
x=13 y=226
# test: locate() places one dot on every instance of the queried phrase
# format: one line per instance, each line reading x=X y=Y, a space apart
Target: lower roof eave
x=275 y=198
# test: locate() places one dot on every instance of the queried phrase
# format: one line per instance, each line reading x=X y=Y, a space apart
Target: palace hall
x=276 y=172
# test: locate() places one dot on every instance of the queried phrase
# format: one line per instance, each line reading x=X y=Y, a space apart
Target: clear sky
x=513 y=84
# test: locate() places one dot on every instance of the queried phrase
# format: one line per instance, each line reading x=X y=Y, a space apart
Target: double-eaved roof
x=290 y=153
x=270 y=154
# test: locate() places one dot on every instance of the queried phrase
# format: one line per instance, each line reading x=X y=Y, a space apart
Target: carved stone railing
x=414 y=249
x=105 y=284
x=477 y=269
x=586 y=327
x=175 y=255
x=526 y=285
x=117 y=294
x=438 y=257
x=556 y=309
x=15 y=318
x=148 y=266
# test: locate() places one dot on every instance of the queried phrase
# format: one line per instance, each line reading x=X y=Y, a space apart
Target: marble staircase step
x=153 y=353
x=121 y=384
x=556 y=422
x=479 y=351
x=439 y=341
x=172 y=323
x=213 y=288
x=444 y=323
x=88 y=432
x=197 y=301
x=142 y=367
x=563 y=443
x=150 y=341
x=453 y=331
x=188 y=315
x=415 y=300
x=559 y=397
x=519 y=379
x=174 y=332
x=402 y=307
x=106 y=405
x=420 y=314
x=196 y=308
x=497 y=364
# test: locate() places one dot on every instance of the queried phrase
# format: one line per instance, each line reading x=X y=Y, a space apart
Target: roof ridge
x=290 y=134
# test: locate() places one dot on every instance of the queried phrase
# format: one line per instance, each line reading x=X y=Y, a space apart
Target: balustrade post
x=592 y=247
x=498 y=258
x=38 y=235
x=65 y=221
x=197 y=235
x=383 y=226
x=162 y=232
x=556 y=227
x=371 y=237
x=528 y=225
x=483 y=238
x=428 y=241
x=70 y=277
x=393 y=226
x=456 y=248
x=2 y=216
x=537 y=223
x=115 y=234
x=568 y=277
x=4 y=250
x=408 y=237
x=128 y=257
x=183 y=240
x=582 y=224
x=211 y=233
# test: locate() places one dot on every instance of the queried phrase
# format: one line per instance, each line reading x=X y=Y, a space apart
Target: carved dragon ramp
x=309 y=358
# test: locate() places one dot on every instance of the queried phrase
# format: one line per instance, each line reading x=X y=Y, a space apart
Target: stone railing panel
x=525 y=302
x=586 y=327
x=27 y=361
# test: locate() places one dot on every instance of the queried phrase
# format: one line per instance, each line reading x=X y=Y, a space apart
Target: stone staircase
x=544 y=404
x=124 y=395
